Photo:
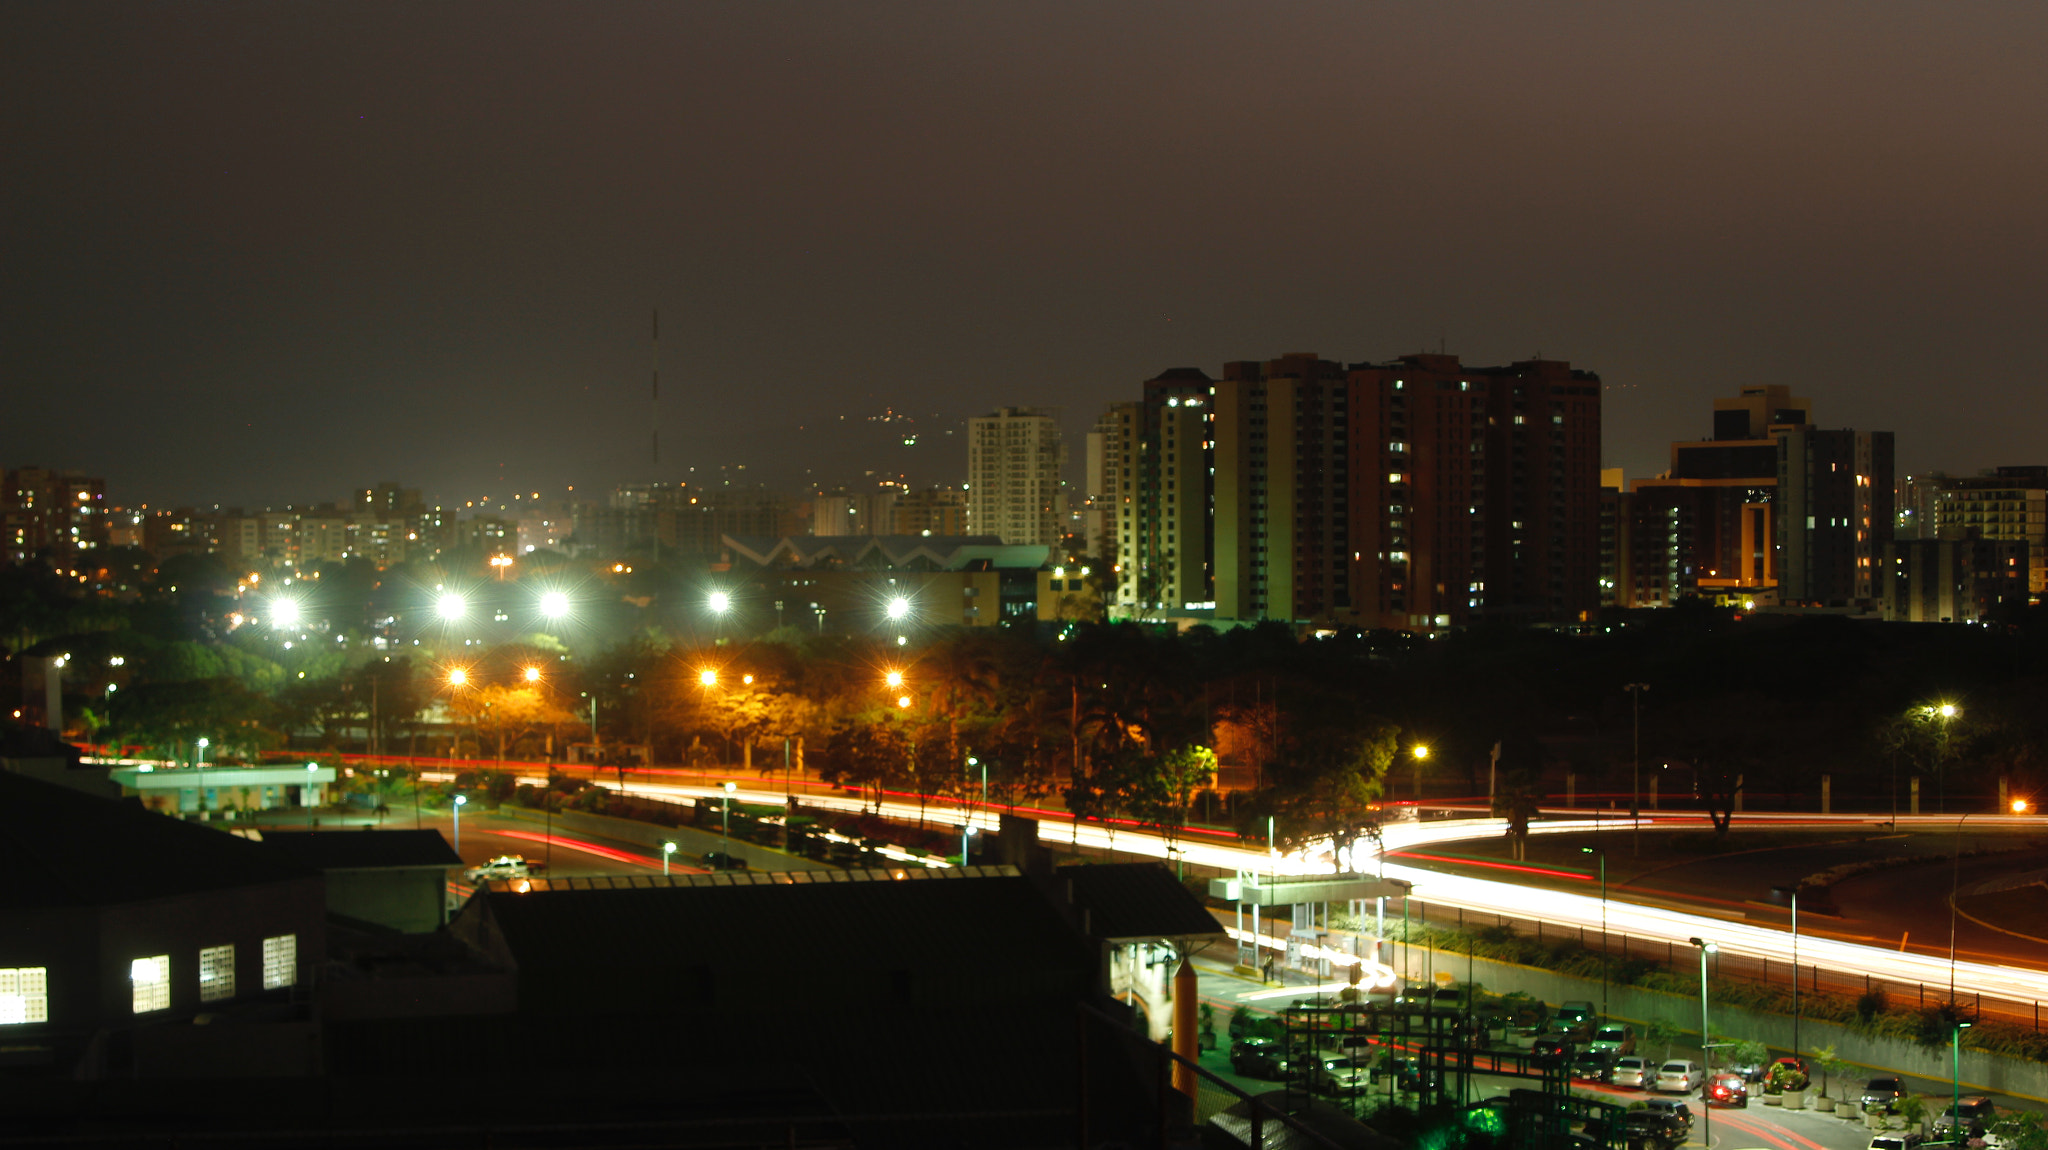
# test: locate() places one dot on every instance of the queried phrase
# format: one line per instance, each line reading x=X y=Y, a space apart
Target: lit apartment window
x=150 y=979
x=24 y=995
x=280 y=961
x=217 y=973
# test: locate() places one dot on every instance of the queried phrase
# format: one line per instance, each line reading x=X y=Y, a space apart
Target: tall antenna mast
x=654 y=400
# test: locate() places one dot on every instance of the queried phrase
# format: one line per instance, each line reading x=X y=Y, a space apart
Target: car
x=1259 y=1057
x=1752 y=1071
x=1651 y=1129
x=1882 y=1094
x=1411 y=1074
x=1340 y=1075
x=1614 y=1039
x=1678 y=1076
x=1978 y=1115
x=722 y=860
x=1578 y=1012
x=1631 y=1071
x=503 y=866
x=1413 y=996
x=1897 y=1140
x=1447 y=998
x=1592 y=1065
x=1551 y=1051
x=1678 y=1111
x=1726 y=1089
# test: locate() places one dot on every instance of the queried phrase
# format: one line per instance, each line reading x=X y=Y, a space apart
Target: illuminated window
x=24 y=995
x=150 y=979
x=216 y=973
x=280 y=961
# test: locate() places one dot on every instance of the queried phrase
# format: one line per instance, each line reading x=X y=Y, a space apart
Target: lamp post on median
x=1602 y=853
x=725 y=820
x=201 y=751
x=460 y=800
x=667 y=849
x=1955 y=874
x=1706 y=1058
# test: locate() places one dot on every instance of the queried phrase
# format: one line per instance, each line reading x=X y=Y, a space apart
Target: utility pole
x=1635 y=803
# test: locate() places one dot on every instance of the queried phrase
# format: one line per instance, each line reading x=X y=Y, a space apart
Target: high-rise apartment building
x=1282 y=508
x=1834 y=515
x=936 y=511
x=1156 y=459
x=50 y=514
x=1475 y=492
x=2007 y=504
x=1014 y=457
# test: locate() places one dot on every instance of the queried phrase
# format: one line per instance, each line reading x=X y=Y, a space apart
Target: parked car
x=1652 y=1130
x=1341 y=1075
x=1978 y=1115
x=1679 y=1111
x=1447 y=998
x=1614 y=1039
x=1551 y=1051
x=1259 y=1057
x=1631 y=1071
x=1678 y=1076
x=1578 y=1012
x=722 y=860
x=1882 y=1094
x=1411 y=1074
x=1592 y=1065
x=1897 y=1140
x=1726 y=1089
x=1752 y=1071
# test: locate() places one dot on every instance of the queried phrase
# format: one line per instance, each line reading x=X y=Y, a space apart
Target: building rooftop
x=364 y=849
x=59 y=848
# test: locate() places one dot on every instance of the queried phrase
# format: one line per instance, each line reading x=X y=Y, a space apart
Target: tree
x=1830 y=1065
x=1663 y=1031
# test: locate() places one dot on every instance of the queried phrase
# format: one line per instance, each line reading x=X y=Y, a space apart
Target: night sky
x=265 y=253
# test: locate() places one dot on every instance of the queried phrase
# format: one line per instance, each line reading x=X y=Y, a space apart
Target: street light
x=201 y=763
x=719 y=602
x=667 y=849
x=1420 y=754
x=1955 y=1105
x=283 y=613
x=1955 y=873
x=533 y=674
x=460 y=800
x=725 y=820
x=1635 y=802
x=1602 y=853
x=1706 y=1047
x=554 y=604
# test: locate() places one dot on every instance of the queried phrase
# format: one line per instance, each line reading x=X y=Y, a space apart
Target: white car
x=504 y=866
x=1631 y=1071
x=1679 y=1076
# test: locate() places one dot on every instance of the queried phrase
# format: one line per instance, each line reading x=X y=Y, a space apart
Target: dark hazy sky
x=263 y=253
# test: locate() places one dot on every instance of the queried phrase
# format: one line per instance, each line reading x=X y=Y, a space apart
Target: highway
x=2008 y=986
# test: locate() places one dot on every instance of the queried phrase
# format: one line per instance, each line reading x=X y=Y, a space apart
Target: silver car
x=1631 y=1071
x=1343 y=1075
x=1679 y=1076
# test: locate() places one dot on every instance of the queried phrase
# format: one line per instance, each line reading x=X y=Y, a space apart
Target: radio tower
x=654 y=400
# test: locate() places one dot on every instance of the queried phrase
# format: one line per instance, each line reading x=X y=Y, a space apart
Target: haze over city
x=259 y=254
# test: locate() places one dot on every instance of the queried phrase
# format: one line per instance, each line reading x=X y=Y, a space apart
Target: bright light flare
x=720 y=602
x=458 y=677
x=708 y=677
x=532 y=674
x=2019 y=806
x=1421 y=751
x=1946 y=710
x=451 y=606
x=903 y=701
x=284 y=613
x=894 y=678
x=899 y=607
x=554 y=604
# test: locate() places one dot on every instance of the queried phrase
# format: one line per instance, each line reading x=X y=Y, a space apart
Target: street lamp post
x=1635 y=802
x=1955 y=874
x=1602 y=853
x=1795 y=970
x=1421 y=756
x=460 y=800
x=667 y=849
x=725 y=820
x=1955 y=1105
x=1706 y=1058
x=201 y=761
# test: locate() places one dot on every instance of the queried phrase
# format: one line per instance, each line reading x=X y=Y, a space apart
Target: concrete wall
x=1981 y=1072
x=688 y=840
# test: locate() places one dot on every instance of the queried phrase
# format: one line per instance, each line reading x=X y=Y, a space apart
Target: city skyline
x=257 y=256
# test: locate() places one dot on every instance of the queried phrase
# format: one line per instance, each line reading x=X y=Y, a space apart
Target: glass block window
x=216 y=973
x=280 y=961
x=151 y=980
x=24 y=995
